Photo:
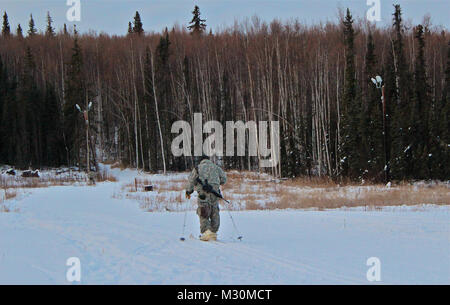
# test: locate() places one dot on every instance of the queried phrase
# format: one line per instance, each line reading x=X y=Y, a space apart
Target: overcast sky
x=112 y=16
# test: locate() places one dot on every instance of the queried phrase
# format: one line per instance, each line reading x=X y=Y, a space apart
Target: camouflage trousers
x=208 y=213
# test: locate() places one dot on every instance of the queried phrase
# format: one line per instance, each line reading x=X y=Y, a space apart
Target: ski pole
x=232 y=220
x=184 y=226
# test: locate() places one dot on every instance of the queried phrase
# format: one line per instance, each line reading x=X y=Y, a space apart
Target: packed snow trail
x=118 y=243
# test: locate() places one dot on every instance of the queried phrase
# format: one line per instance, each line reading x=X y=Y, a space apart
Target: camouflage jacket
x=207 y=171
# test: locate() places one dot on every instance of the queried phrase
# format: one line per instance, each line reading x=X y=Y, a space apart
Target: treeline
x=315 y=80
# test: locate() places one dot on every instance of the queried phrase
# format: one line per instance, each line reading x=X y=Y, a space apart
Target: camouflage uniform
x=208 y=204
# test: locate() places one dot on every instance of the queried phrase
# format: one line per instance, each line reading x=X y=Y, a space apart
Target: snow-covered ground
x=118 y=243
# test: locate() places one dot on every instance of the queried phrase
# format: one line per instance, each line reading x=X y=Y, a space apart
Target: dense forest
x=314 y=79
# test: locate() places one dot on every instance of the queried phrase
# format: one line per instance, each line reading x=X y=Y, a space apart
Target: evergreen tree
x=33 y=111
x=51 y=125
x=8 y=119
x=419 y=133
x=50 y=31
x=439 y=154
x=19 y=31
x=399 y=101
x=445 y=127
x=372 y=118
x=444 y=122
x=6 y=30
x=162 y=51
x=138 y=27
x=27 y=116
x=445 y=106
x=65 y=31
x=197 y=25
x=350 y=108
x=163 y=85
x=130 y=28
x=31 y=132
x=3 y=88
x=74 y=94
x=31 y=27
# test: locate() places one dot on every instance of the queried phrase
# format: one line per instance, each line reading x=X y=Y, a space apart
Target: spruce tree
x=6 y=30
x=162 y=51
x=3 y=88
x=52 y=140
x=33 y=111
x=27 y=115
x=445 y=105
x=8 y=120
x=163 y=83
x=50 y=31
x=130 y=28
x=399 y=101
x=74 y=94
x=389 y=73
x=19 y=31
x=138 y=27
x=197 y=24
x=31 y=27
x=372 y=118
x=439 y=154
x=418 y=132
x=402 y=77
x=350 y=108
x=444 y=126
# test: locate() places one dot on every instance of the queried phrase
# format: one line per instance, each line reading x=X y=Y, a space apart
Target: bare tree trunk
x=157 y=115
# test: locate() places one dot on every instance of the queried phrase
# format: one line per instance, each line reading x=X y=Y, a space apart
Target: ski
x=192 y=237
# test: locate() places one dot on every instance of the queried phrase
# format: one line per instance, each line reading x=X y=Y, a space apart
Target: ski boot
x=208 y=235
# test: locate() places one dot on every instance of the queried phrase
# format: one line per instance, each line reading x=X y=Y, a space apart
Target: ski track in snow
x=118 y=243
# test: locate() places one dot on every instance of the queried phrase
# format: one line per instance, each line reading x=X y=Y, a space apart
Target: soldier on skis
x=207 y=175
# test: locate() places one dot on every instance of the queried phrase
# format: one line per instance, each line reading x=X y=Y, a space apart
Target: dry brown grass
x=154 y=202
x=311 y=182
x=254 y=193
x=119 y=165
x=176 y=186
x=7 y=194
x=10 y=194
x=104 y=175
x=374 y=197
x=167 y=195
x=4 y=209
x=158 y=202
x=109 y=162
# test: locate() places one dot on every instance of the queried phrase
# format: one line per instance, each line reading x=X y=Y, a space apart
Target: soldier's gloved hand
x=188 y=195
